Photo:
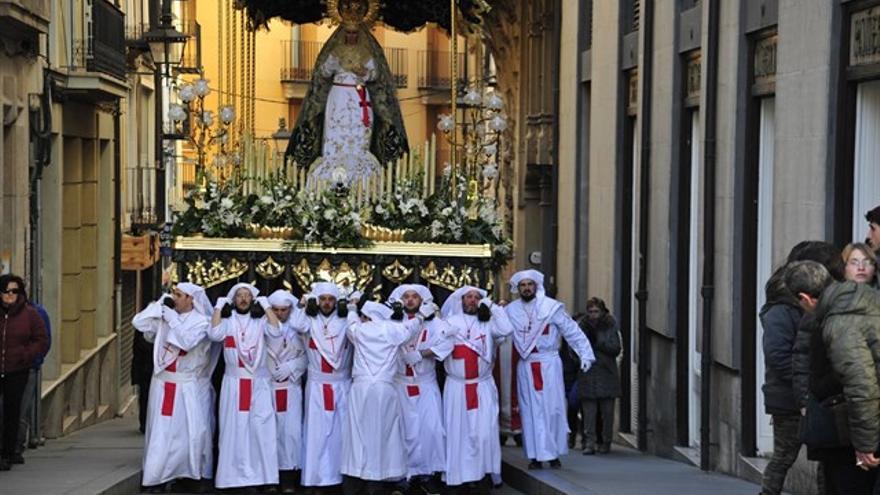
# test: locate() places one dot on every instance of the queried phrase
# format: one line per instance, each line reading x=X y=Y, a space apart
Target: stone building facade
x=699 y=141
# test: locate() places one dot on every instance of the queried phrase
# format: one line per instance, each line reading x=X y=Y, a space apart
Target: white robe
x=326 y=402
x=288 y=398
x=180 y=419
x=420 y=400
x=539 y=382
x=373 y=443
x=470 y=398
x=248 y=439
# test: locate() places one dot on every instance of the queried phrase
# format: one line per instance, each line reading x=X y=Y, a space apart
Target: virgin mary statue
x=350 y=124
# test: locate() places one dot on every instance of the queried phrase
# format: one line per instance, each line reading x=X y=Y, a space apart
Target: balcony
x=101 y=47
x=191 y=61
x=435 y=74
x=24 y=18
x=298 y=65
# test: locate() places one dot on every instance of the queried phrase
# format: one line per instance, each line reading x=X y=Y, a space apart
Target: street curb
x=119 y=484
x=516 y=474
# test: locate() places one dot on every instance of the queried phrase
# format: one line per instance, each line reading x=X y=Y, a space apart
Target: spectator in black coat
x=780 y=316
x=600 y=385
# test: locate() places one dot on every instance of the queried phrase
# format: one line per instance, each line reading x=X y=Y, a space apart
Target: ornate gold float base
x=275 y=263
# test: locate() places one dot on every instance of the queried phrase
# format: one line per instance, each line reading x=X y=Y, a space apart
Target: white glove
x=448 y=331
x=221 y=301
x=427 y=309
x=585 y=366
x=264 y=302
x=487 y=302
x=355 y=296
x=412 y=357
x=169 y=314
x=279 y=372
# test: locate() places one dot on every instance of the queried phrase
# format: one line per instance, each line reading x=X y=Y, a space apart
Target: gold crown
x=368 y=20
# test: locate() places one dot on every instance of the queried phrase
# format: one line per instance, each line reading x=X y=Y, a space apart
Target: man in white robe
x=248 y=439
x=329 y=354
x=420 y=398
x=287 y=363
x=179 y=429
x=538 y=322
x=470 y=398
x=373 y=445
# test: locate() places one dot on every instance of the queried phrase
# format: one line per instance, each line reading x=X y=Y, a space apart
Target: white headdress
x=452 y=306
x=281 y=299
x=397 y=294
x=325 y=289
x=231 y=294
x=201 y=303
x=533 y=275
x=376 y=311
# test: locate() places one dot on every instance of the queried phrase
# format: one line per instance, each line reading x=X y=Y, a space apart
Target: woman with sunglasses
x=22 y=338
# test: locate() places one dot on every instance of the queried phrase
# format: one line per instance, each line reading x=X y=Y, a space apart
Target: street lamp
x=166 y=42
x=281 y=136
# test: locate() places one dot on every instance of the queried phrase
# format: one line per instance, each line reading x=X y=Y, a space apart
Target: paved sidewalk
x=623 y=472
x=104 y=459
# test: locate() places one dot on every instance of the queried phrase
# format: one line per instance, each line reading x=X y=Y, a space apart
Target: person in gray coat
x=600 y=385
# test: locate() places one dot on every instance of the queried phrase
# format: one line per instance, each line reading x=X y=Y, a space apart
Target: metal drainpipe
x=644 y=213
x=708 y=289
x=551 y=221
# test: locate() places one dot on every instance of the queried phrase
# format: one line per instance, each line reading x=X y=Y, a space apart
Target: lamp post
x=281 y=137
x=166 y=47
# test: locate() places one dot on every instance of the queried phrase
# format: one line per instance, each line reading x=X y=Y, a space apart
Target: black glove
x=397 y=315
x=483 y=313
x=257 y=310
x=312 y=307
x=342 y=308
x=168 y=301
x=226 y=312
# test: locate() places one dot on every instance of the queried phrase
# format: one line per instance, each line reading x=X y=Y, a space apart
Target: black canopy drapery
x=401 y=15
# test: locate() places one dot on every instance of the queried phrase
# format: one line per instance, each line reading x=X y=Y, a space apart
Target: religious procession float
x=351 y=201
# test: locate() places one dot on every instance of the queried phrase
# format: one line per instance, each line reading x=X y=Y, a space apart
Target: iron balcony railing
x=101 y=46
x=191 y=60
x=434 y=70
x=299 y=58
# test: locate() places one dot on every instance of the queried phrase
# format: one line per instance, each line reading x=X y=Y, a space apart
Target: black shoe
x=533 y=464
x=15 y=459
x=555 y=464
x=589 y=451
x=605 y=448
x=5 y=466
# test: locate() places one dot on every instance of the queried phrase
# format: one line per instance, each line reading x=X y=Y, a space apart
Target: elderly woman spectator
x=600 y=385
x=23 y=338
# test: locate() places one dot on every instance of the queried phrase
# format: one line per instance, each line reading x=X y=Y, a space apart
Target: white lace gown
x=345 y=154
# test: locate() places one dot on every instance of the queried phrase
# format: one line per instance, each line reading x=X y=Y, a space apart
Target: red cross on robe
x=471 y=372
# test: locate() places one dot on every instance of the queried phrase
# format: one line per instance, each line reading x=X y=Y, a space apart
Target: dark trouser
x=358 y=486
x=591 y=408
x=12 y=387
x=574 y=421
x=143 y=400
x=843 y=477
x=786 y=445
x=28 y=422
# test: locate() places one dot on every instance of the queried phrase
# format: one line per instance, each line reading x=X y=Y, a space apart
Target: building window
x=631 y=15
